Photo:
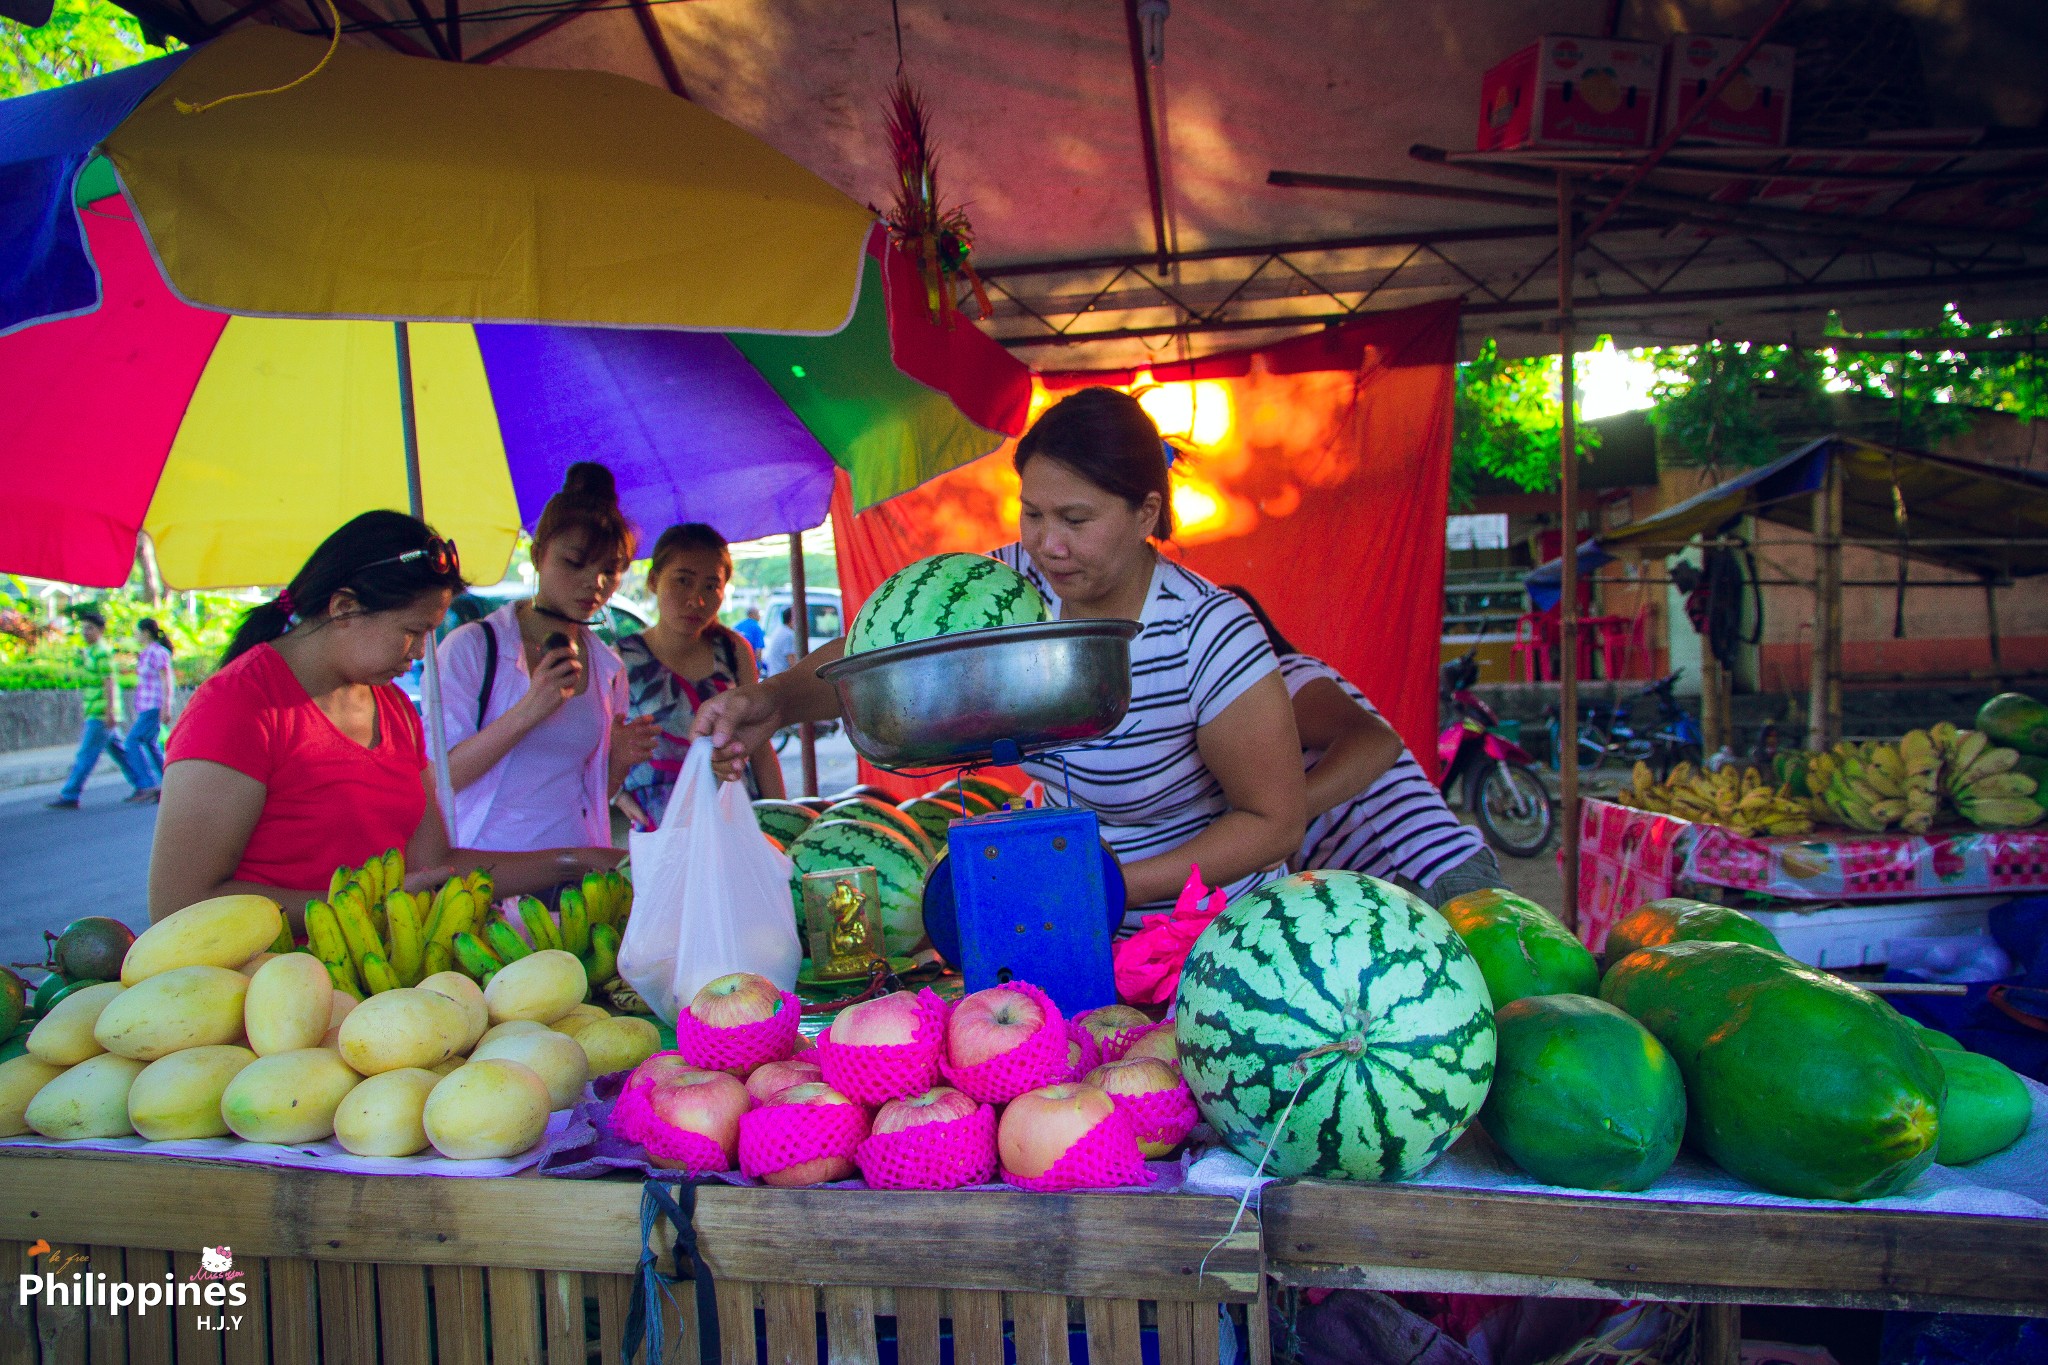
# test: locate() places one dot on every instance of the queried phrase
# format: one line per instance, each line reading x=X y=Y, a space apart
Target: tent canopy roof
x=1984 y=519
x=1035 y=109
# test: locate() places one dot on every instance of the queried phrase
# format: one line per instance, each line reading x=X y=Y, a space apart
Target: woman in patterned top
x=681 y=662
x=1203 y=769
x=156 y=693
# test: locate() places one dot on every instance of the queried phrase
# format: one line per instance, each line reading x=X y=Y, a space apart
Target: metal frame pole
x=800 y=622
x=437 y=735
x=1824 y=701
x=1568 y=596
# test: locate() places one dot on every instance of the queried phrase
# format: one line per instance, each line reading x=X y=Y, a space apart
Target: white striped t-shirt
x=1199 y=651
x=1398 y=825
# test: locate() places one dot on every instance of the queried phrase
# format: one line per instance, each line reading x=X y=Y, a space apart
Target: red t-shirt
x=329 y=802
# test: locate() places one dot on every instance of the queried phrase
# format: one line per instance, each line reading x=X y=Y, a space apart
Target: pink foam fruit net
x=935 y=1156
x=1039 y=1060
x=1163 y=1116
x=896 y=1071
x=739 y=1050
x=780 y=1136
x=633 y=1118
x=1106 y=1157
x=1117 y=1044
x=1090 y=1050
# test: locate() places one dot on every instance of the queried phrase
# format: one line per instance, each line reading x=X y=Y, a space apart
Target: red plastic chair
x=1536 y=636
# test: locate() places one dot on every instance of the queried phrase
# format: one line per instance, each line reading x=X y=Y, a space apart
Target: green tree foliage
x=83 y=38
x=1508 y=424
x=1740 y=404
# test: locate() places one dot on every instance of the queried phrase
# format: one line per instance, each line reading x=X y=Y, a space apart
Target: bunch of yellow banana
x=374 y=935
x=1983 y=780
x=1737 y=799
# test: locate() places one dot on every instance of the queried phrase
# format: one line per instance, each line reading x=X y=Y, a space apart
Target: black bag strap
x=483 y=696
x=650 y=1286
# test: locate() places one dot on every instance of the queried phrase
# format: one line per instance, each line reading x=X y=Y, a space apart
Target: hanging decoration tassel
x=938 y=238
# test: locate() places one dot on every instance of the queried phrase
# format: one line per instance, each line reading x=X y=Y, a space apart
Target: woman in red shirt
x=299 y=756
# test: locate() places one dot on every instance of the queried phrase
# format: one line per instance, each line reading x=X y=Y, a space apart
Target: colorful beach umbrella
x=195 y=314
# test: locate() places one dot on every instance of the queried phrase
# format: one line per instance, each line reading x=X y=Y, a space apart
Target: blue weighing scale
x=1018 y=895
x=1029 y=895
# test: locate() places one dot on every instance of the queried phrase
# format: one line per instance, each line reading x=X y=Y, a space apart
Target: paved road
x=58 y=865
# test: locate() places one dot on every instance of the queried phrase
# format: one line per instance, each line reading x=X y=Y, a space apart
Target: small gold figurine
x=848 y=943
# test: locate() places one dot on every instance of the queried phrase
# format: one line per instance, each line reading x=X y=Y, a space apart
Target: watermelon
x=943 y=595
x=783 y=820
x=831 y=844
x=1678 y=920
x=1583 y=1095
x=1340 y=1019
x=1795 y=1081
x=2017 y=721
x=990 y=790
x=1986 y=1110
x=873 y=812
x=933 y=814
x=1522 y=948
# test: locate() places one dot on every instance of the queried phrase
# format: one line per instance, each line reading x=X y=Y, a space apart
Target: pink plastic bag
x=1148 y=963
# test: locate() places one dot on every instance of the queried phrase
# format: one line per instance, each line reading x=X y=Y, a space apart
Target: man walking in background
x=749 y=629
x=780 y=651
x=102 y=713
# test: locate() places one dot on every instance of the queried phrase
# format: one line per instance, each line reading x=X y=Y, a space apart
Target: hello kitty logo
x=216 y=1263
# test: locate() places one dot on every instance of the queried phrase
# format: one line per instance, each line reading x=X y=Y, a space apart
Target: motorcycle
x=1503 y=789
x=1605 y=732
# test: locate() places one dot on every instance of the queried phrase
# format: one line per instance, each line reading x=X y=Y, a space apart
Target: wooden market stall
x=345 y=1268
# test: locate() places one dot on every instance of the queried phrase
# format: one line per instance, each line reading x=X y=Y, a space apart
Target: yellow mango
x=173 y=1010
x=402 y=1028
x=510 y=1026
x=64 y=1037
x=179 y=1096
x=290 y=1004
x=576 y=1020
x=223 y=932
x=88 y=1100
x=618 y=1044
x=467 y=994
x=490 y=1108
x=288 y=1096
x=541 y=986
x=382 y=1116
x=555 y=1057
x=20 y=1079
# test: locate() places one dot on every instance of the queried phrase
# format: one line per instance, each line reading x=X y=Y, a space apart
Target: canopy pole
x=1824 y=700
x=437 y=735
x=1568 y=597
x=800 y=623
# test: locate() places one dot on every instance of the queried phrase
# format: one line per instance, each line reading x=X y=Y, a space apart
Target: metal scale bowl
x=1029 y=895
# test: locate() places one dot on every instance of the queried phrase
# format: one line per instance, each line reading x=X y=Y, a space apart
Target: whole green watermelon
x=2017 y=721
x=828 y=845
x=1795 y=1081
x=783 y=820
x=1678 y=920
x=943 y=595
x=870 y=811
x=1583 y=1095
x=1522 y=948
x=1341 y=1014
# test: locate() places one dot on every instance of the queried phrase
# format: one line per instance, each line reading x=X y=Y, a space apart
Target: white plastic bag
x=710 y=895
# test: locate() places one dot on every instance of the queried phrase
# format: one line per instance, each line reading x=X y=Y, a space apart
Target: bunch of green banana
x=1738 y=799
x=399 y=939
x=589 y=922
x=1922 y=764
x=1868 y=789
x=1983 y=782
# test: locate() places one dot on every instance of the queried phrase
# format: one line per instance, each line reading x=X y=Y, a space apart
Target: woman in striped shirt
x=156 y=692
x=1193 y=775
x=1371 y=807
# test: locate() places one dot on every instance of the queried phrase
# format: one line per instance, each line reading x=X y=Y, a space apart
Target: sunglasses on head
x=440 y=556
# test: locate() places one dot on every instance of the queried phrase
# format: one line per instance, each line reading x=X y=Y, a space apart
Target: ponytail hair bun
x=588 y=502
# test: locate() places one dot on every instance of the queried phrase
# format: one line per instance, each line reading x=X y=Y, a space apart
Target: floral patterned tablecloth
x=1627 y=857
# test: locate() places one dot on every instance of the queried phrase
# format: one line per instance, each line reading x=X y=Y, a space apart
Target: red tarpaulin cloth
x=1326 y=497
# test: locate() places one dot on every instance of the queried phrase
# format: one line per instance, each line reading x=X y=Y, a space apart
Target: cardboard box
x=1753 y=110
x=1563 y=91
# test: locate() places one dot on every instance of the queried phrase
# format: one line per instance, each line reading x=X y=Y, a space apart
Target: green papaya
x=1987 y=1108
x=1795 y=1081
x=2017 y=721
x=1678 y=920
x=1583 y=1095
x=1522 y=949
x=1935 y=1038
